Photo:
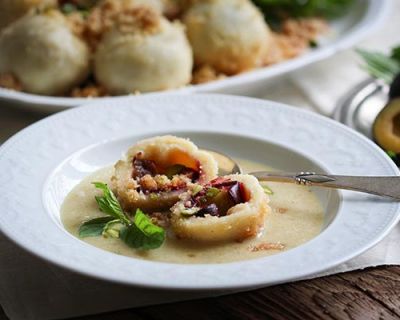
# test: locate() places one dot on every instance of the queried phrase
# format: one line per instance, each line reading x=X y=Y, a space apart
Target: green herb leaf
x=108 y=203
x=94 y=227
x=212 y=192
x=277 y=10
x=313 y=44
x=154 y=196
x=142 y=234
x=68 y=8
x=174 y=170
x=379 y=65
x=196 y=189
x=395 y=54
x=391 y=154
x=112 y=229
x=188 y=212
x=267 y=190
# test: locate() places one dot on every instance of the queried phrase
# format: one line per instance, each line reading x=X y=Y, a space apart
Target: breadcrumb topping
x=294 y=38
x=116 y=14
x=205 y=74
x=9 y=81
x=267 y=246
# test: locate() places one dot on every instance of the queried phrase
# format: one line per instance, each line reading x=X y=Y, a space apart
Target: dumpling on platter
x=143 y=52
x=43 y=54
x=11 y=10
x=229 y=208
x=230 y=36
x=156 y=171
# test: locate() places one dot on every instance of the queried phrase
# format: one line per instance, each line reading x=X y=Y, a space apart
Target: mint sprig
x=109 y=204
x=381 y=66
x=140 y=233
x=93 y=227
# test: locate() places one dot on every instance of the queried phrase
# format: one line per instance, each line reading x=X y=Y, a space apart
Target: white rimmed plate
x=363 y=18
x=41 y=164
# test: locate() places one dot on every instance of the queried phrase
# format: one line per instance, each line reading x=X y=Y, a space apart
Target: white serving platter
x=363 y=18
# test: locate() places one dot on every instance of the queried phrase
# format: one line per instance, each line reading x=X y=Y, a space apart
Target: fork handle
x=381 y=186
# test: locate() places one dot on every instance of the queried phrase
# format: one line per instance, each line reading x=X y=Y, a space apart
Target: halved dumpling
x=230 y=208
x=157 y=170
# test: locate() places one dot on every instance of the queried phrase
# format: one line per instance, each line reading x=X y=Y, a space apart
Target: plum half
x=386 y=128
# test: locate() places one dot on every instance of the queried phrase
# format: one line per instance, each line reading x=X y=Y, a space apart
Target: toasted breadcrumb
x=9 y=81
x=148 y=183
x=115 y=13
x=294 y=39
x=205 y=74
x=267 y=246
x=76 y=23
x=161 y=219
x=307 y=28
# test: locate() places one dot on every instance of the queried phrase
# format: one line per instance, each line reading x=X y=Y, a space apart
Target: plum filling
x=214 y=199
x=153 y=178
x=141 y=167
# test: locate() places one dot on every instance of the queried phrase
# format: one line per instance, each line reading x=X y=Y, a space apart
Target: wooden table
x=373 y=293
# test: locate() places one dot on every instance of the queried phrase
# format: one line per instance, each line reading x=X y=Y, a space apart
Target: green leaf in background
x=108 y=203
x=142 y=234
x=277 y=10
x=379 y=65
x=94 y=227
x=395 y=54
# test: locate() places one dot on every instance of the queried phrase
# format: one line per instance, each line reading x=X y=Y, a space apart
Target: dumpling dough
x=157 y=170
x=11 y=10
x=229 y=35
x=147 y=59
x=43 y=54
x=241 y=221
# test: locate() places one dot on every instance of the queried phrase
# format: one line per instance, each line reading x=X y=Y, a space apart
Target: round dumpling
x=43 y=54
x=156 y=171
x=151 y=54
x=11 y=10
x=229 y=35
x=229 y=208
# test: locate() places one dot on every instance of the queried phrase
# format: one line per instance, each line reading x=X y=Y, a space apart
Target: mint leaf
x=94 y=227
x=267 y=190
x=142 y=234
x=174 y=170
x=112 y=229
x=212 y=192
x=391 y=154
x=395 y=54
x=379 y=65
x=108 y=203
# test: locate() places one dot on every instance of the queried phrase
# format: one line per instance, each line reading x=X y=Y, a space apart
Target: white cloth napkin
x=34 y=289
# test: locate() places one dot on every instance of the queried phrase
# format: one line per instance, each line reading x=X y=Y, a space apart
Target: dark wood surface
x=373 y=293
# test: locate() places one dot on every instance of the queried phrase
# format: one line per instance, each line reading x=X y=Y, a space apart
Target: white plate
x=365 y=16
x=42 y=163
